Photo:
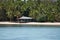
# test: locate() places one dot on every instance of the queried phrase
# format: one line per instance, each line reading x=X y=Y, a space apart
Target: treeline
x=42 y=11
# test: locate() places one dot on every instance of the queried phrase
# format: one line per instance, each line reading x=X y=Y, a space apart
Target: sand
x=32 y=23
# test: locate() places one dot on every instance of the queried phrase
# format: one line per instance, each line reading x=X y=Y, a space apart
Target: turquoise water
x=29 y=33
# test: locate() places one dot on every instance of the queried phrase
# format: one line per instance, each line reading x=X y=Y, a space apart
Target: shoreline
x=30 y=23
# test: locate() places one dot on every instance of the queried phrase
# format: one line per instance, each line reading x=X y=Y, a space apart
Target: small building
x=25 y=19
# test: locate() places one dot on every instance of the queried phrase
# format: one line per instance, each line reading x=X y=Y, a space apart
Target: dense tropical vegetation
x=42 y=11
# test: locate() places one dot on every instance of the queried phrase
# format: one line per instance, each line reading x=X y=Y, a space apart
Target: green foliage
x=42 y=11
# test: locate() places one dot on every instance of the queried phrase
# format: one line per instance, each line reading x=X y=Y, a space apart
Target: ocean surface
x=29 y=33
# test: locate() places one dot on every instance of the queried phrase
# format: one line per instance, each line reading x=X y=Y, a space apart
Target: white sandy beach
x=32 y=23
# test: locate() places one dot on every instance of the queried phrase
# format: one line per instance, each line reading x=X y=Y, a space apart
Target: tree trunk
x=17 y=19
x=10 y=19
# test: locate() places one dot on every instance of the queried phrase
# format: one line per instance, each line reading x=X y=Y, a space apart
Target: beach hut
x=25 y=19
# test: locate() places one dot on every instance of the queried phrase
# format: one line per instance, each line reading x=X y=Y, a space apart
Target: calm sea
x=29 y=33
